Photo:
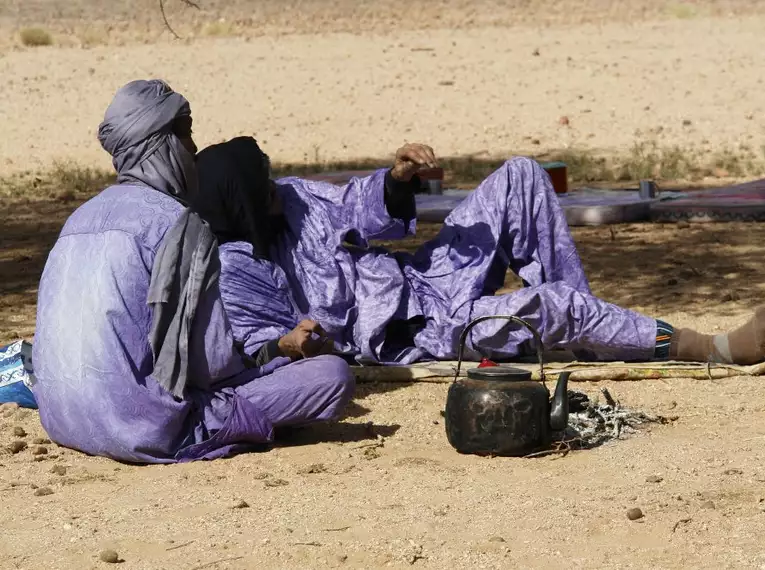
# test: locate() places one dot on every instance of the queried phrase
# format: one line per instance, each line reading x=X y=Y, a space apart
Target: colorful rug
x=742 y=202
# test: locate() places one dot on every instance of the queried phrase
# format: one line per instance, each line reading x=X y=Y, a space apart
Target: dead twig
x=681 y=521
x=306 y=544
x=376 y=444
x=189 y=3
x=216 y=562
x=609 y=398
x=339 y=529
x=179 y=546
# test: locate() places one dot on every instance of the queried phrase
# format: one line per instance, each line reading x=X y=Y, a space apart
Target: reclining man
x=295 y=257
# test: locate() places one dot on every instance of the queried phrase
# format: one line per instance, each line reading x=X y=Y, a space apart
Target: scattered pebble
x=730 y=296
x=733 y=471
x=41 y=450
x=536 y=142
x=275 y=482
x=564 y=121
x=58 y=470
x=446 y=83
x=536 y=52
x=634 y=514
x=38 y=458
x=496 y=539
x=683 y=224
x=672 y=282
x=109 y=556
x=341 y=558
x=19 y=431
x=371 y=453
x=240 y=504
x=17 y=446
x=654 y=479
x=43 y=492
x=687 y=122
x=41 y=441
x=313 y=468
x=260 y=476
x=707 y=505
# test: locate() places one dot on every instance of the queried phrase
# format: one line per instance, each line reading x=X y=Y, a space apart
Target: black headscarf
x=234 y=194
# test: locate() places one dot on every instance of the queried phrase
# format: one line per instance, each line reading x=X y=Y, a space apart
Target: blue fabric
x=14 y=375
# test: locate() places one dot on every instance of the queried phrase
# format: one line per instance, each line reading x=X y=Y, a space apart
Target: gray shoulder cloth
x=186 y=265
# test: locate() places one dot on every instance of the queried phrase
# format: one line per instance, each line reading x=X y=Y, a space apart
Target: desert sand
x=321 y=81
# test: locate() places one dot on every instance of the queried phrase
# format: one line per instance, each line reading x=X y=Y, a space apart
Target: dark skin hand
x=300 y=342
x=410 y=158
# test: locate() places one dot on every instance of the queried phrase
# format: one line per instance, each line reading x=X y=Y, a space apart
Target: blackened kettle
x=500 y=410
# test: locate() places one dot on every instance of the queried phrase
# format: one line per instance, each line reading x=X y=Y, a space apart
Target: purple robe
x=92 y=359
x=512 y=220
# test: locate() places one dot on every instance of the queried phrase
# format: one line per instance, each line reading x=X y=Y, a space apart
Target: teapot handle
x=517 y=320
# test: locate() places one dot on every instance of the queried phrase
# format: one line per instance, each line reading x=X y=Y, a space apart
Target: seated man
x=298 y=249
x=134 y=357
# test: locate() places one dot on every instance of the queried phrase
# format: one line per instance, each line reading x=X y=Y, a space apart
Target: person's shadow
x=333 y=432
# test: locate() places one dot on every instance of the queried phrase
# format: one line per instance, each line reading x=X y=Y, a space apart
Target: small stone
x=275 y=482
x=687 y=122
x=536 y=142
x=536 y=52
x=19 y=431
x=43 y=492
x=708 y=505
x=41 y=450
x=672 y=405
x=371 y=453
x=654 y=479
x=58 y=470
x=496 y=539
x=17 y=446
x=734 y=471
x=41 y=441
x=109 y=556
x=683 y=224
x=672 y=282
x=38 y=458
x=564 y=121
x=730 y=296
x=261 y=476
x=341 y=558
x=240 y=504
x=634 y=514
x=313 y=468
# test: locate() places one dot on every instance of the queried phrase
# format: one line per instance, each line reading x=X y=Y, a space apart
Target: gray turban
x=137 y=132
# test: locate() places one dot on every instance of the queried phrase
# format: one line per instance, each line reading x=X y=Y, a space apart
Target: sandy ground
x=331 y=497
x=330 y=96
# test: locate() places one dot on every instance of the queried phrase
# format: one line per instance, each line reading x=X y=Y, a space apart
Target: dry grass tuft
x=35 y=37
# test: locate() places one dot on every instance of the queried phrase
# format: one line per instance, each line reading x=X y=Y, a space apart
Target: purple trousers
x=514 y=220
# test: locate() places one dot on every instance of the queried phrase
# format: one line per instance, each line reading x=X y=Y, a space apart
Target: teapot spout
x=559 y=407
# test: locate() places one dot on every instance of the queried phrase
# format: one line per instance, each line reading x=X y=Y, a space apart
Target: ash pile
x=593 y=423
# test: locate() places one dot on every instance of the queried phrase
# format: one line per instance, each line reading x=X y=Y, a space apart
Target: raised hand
x=410 y=158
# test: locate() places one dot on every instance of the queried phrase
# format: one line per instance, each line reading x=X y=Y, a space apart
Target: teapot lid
x=499 y=373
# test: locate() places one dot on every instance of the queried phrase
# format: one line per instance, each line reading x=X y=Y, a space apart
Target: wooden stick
x=216 y=562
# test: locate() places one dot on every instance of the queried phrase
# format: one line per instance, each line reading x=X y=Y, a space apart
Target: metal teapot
x=499 y=410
